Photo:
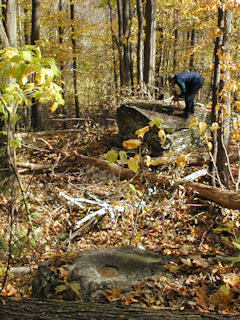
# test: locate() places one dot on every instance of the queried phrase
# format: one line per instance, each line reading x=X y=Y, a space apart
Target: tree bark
x=113 y=46
x=150 y=45
x=140 y=46
x=225 y=114
x=126 y=47
x=74 y=47
x=32 y=309
x=35 y=36
x=8 y=36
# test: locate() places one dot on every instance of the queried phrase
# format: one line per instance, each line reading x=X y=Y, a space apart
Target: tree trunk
x=60 y=37
x=72 y=13
x=126 y=48
x=191 y=63
x=221 y=138
x=8 y=36
x=140 y=45
x=175 y=49
x=225 y=116
x=32 y=309
x=35 y=36
x=120 y=45
x=215 y=96
x=113 y=47
x=150 y=45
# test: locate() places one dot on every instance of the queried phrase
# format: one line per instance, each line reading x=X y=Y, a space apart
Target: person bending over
x=189 y=83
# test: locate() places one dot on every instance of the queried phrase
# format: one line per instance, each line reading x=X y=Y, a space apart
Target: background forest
x=65 y=67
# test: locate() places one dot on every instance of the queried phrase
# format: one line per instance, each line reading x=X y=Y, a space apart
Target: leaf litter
x=198 y=234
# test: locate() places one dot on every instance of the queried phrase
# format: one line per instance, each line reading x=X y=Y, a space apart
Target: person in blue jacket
x=189 y=83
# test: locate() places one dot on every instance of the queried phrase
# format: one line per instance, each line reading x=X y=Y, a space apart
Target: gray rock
x=97 y=271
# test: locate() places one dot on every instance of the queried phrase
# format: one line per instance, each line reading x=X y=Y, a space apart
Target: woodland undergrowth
x=200 y=234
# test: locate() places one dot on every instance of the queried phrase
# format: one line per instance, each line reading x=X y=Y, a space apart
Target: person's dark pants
x=190 y=96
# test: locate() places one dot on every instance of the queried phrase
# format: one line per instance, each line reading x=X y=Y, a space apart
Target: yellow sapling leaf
x=202 y=126
x=131 y=143
x=193 y=123
x=214 y=126
x=53 y=107
x=141 y=132
x=182 y=160
x=133 y=165
x=162 y=135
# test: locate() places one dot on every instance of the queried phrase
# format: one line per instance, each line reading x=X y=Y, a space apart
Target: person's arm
x=182 y=86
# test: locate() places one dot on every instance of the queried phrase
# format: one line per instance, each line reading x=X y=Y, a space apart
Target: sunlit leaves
x=202 y=126
x=157 y=122
x=141 y=132
x=133 y=165
x=162 y=136
x=111 y=156
x=193 y=123
x=132 y=143
x=182 y=160
x=32 y=75
x=122 y=156
x=214 y=126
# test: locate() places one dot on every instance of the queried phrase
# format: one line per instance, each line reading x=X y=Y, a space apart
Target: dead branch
x=227 y=199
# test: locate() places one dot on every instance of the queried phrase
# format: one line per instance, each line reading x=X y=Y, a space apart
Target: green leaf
x=27 y=55
x=75 y=286
x=112 y=156
x=60 y=288
x=14 y=144
x=133 y=165
x=122 y=156
x=157 y=122
x=225 y=289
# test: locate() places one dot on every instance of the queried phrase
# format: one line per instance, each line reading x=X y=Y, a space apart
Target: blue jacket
x=187 y=81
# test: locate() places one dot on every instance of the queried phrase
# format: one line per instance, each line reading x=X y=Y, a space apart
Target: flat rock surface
x=97 y=271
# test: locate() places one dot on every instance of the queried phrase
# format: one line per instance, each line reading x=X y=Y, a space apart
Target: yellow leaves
x=210 y=146
x=133 y=165
x=162 y=136
x=202 y=126
x=236 y=135
x=112 y=156
x=11 y=52
x=182 y=160
x=214 y=126
x=237 y=105
x=53 y=107
x=141 y=132
x=194 y=123
x=132 y=144
x=40 y=77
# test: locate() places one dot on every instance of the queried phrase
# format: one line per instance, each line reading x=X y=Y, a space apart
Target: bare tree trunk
x=60 y=37
x=113 y=46
x=72 y=12
x=175 y=49
x=140 y=45
x=8 y=36
x=224 y=134
x=126 y=47
x=35 y=36
x=120 y=45
x=191 y=63
x=150 y=45
x=221 y=138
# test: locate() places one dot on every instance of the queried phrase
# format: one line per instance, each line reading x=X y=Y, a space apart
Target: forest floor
x=200 y=234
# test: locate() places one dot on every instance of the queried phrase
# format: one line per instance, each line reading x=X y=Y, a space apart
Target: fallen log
x=32 y=309
x=224 y=198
